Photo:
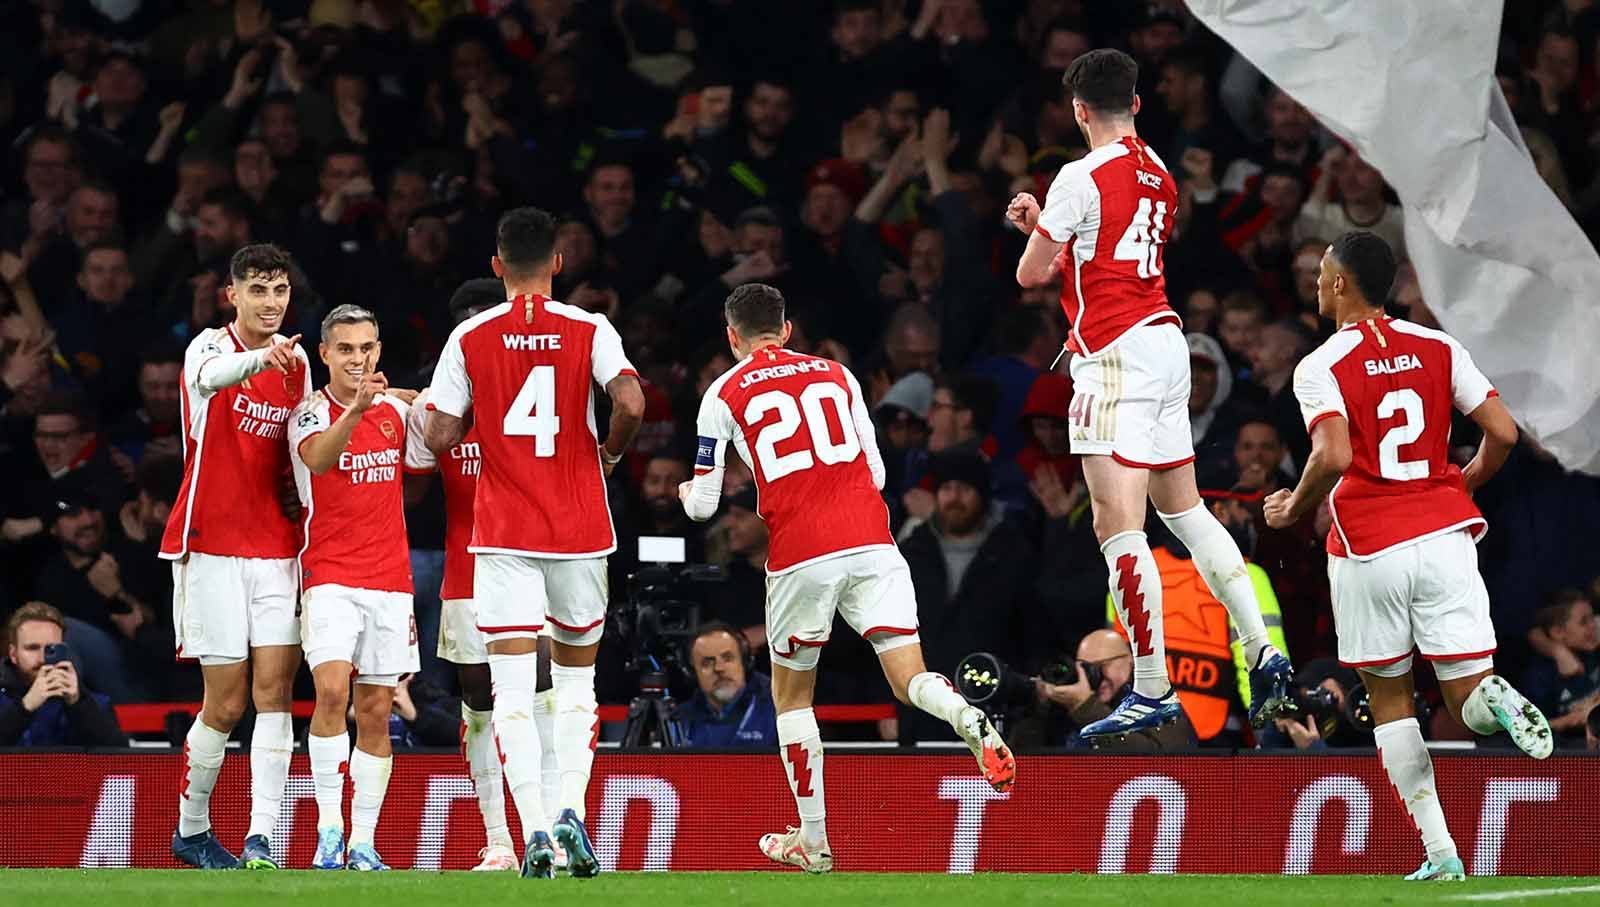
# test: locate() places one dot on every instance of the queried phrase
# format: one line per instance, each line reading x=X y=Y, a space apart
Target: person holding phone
x=42 y=702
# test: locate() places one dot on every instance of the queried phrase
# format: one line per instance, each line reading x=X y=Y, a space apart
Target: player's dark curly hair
x=525 y=239
x=754 y=310
x=262 y=259
x=1104 y=79
x=1370 y=261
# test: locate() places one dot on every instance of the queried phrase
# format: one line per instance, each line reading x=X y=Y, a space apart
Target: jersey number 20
x=775 y=466
x=1141 y=242
x=533 y=412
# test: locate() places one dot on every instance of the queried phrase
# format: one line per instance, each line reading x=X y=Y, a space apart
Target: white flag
x=1501 y=263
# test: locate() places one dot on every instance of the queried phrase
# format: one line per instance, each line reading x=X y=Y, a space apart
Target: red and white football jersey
x=1114 y=210
x=802 y=425
x=527 y=370
x=355 y=521
x=459 y=476
x=1395 y=383
x=235 y=462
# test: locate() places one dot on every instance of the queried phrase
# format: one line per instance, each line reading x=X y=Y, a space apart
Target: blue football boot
x=574 y=839
x=363 y=858
x=1135 y=713
x=1270 y=685
x=257 y=853
x=203 y=851
x=330 y=849
x=538 y=861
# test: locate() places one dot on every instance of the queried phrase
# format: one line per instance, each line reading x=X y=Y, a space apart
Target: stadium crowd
x=858 y=155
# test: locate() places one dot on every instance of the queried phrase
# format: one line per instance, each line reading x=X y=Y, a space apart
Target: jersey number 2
x=775 y=466
x=1142 y=241
x=533 y=412
x=1390 y=466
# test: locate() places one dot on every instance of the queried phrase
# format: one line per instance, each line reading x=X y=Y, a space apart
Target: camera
x=655 y=628
x=985 y=681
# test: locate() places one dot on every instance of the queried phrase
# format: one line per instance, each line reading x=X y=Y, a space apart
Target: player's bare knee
x=477 y=690
x=223 y=712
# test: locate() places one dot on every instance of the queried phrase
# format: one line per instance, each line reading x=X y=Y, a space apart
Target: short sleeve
x=1318 y=392
x=609 y=359
x=418 y=457
x=451 y=391
x=1067 y=204
x=1468 y=386
x=306 y=421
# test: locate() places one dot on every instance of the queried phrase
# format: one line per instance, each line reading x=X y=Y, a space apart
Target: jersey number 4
x=775 y=466
x=533 y=412
x=1141 y=242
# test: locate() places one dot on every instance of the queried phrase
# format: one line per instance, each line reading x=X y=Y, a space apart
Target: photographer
x=1104 y=657
x=43 y=704
x=1323 y=689
x=732 y=706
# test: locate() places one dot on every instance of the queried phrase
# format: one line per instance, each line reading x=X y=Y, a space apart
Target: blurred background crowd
x=858 y=155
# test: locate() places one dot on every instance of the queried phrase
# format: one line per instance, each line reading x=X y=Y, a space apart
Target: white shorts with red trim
x=1428 y=595
x=517 y=597
x=871 y=590
x=374 y=630
x=1131 y=402
x=460 y=643
x=224 y=606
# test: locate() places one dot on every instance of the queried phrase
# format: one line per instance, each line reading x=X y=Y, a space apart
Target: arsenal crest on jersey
x=291 y=384
x=387 y=428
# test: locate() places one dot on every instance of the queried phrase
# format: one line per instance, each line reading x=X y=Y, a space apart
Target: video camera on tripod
x=655 y=626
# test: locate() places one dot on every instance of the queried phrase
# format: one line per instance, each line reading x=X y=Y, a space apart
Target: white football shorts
x=223 y=606
x=870 y=589
x=375 y=631
x=1428 y=595
x=1131 y=402
x=517 y=597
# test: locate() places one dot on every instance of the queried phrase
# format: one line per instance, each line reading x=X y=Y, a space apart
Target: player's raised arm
x=319 y=445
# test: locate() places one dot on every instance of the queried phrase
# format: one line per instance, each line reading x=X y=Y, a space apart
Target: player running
x=801 y=424
x=347 y=444
x=1377 y=399
x=1129 y=415
x=460 y=643
x=232 y=550
x=526 y=371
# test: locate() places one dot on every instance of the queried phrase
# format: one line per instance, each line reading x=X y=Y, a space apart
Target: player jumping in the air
x=1377 y=399
x=232 y=550
x=1130 y=404
x=526 y=371
x=801 y=424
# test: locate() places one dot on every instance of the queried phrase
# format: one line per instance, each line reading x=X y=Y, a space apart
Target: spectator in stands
x=657 y=512
x=1026 y=343
x=1564 y=681
x=1258 y=457
x=732 y=704
x=973 y=572
x=47 y=704
x=93 y=215
x=106 y=621
x=1271 y=384
x=104 y=324
x=1360 y=204
x=134 y=545
x=1108 y=651
x=51 y=170
x=68 y=463
x=1306 y=268
x=1215 y=415
x=961 y=414
x=1187 y=89
x=154 y=427
x=1290 y=128
x=1239 y=329
x=422 y=715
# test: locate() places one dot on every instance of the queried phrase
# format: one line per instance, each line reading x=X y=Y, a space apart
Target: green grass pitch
x=114 y=888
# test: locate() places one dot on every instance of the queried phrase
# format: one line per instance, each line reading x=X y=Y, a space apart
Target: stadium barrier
x=1222 y=813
